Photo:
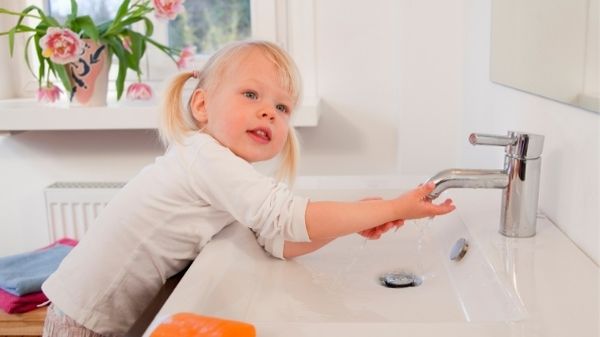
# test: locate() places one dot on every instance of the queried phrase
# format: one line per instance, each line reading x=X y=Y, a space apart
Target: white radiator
x=72 y=206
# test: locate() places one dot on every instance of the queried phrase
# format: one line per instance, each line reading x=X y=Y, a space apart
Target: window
x=209 y=24
x=100 y=11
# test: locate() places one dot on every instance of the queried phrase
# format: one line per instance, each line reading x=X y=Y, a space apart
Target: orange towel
x=191 y=325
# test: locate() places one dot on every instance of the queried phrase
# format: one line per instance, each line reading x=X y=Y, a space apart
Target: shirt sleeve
x=258 y=202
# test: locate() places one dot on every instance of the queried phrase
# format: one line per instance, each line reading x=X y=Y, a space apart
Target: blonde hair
x=176 y=123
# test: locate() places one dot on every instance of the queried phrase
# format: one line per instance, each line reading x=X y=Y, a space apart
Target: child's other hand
x=376 y=232
x=415 y=204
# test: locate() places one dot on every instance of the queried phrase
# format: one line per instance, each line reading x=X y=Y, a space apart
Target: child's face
x=248 y=110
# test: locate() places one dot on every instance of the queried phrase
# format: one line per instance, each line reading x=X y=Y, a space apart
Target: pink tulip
x=139 y=91
x=186 y=56
x=167 y=9
x=49 y=93
x=61 y=45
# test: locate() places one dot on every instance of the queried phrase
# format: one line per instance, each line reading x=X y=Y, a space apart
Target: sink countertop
x=552 y=278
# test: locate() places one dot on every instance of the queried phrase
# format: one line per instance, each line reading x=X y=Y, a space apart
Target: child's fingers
x=446 y=207
x=424 y=190
x=370 y=233
x=392 y=224
x=389 y=226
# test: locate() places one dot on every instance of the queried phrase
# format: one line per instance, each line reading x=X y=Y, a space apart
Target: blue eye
x=282 y=108
x=250 y=94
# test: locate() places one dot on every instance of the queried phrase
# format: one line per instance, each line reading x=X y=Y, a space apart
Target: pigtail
x=173 y=123
x=289 y=161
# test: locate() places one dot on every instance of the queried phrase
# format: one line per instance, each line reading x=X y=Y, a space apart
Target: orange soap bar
x=191 y=325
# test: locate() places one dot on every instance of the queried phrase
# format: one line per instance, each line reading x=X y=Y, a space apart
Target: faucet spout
x=519 y=180
x=468 y=178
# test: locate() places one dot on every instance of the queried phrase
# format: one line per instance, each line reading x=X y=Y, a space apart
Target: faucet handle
x=518 y=144
x=483 y=139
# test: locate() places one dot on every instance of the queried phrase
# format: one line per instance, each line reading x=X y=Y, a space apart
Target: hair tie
x=195 y=74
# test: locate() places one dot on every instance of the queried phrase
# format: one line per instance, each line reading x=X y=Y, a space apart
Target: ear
x=198 y=106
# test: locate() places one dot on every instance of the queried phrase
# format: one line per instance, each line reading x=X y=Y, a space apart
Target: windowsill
x=17 y=115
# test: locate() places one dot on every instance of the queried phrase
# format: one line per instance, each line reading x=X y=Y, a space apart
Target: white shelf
x=17 y=115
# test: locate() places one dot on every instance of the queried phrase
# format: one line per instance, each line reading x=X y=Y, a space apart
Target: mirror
x=548 y=48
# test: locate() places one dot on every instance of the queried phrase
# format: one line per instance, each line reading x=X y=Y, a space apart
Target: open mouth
x=261 y=135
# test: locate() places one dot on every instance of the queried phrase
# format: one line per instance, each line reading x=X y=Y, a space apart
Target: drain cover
x=459 y=249
x=400 y=279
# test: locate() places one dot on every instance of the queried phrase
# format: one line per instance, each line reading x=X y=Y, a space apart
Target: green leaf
x=50 y=21
x=41 y=59
x=11 y=41
x=131 y=20
x=88 y=26
x=73 y=25
x=63 y=75
x=137 y=47
x=169 y=51
x=27 y=55
x=117 y=48
x=121 y=11
x=73 y=9
x=103 y=28
x=149 y=26
x=22 y=29
x=22 y=14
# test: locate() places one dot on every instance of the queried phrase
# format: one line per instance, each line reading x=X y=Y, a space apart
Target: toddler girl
x=238 y=114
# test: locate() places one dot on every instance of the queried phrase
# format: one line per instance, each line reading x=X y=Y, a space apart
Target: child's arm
x=328 y=220
x=292 y=249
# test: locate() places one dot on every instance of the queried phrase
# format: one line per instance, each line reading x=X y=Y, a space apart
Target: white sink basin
x=340 y=282
x=336 y=290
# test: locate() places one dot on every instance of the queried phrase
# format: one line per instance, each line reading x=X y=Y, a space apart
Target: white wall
x=357 y=50
x=430 y=68
x=569 y=191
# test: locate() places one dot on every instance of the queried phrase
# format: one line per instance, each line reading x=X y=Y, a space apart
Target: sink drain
x=400 y=279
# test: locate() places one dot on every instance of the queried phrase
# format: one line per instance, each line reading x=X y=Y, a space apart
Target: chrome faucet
x=519 y=180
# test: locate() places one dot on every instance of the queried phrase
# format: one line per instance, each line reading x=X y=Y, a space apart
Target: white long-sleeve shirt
x=159 y=222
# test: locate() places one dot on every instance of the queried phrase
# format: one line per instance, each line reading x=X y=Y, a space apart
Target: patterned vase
x=89 y=75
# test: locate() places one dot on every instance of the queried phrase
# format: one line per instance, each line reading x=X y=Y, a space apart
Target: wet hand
x=376 y=232
x=416 y=204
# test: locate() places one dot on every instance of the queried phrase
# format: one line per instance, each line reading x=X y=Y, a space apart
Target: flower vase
x=89 y=75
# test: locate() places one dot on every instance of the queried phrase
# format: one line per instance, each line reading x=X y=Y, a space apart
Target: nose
x=267 y=112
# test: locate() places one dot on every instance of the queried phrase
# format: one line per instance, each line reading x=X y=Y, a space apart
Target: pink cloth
x=63 y=241
x=18 y=304
x=13 y=304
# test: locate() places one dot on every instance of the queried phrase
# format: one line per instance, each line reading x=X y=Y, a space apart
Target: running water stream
x=423 y=226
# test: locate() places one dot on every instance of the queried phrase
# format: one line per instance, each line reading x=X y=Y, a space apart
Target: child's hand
x=376 y=232
x=416 y=204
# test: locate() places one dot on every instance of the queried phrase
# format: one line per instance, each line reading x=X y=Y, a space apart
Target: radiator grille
x=71 y=207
